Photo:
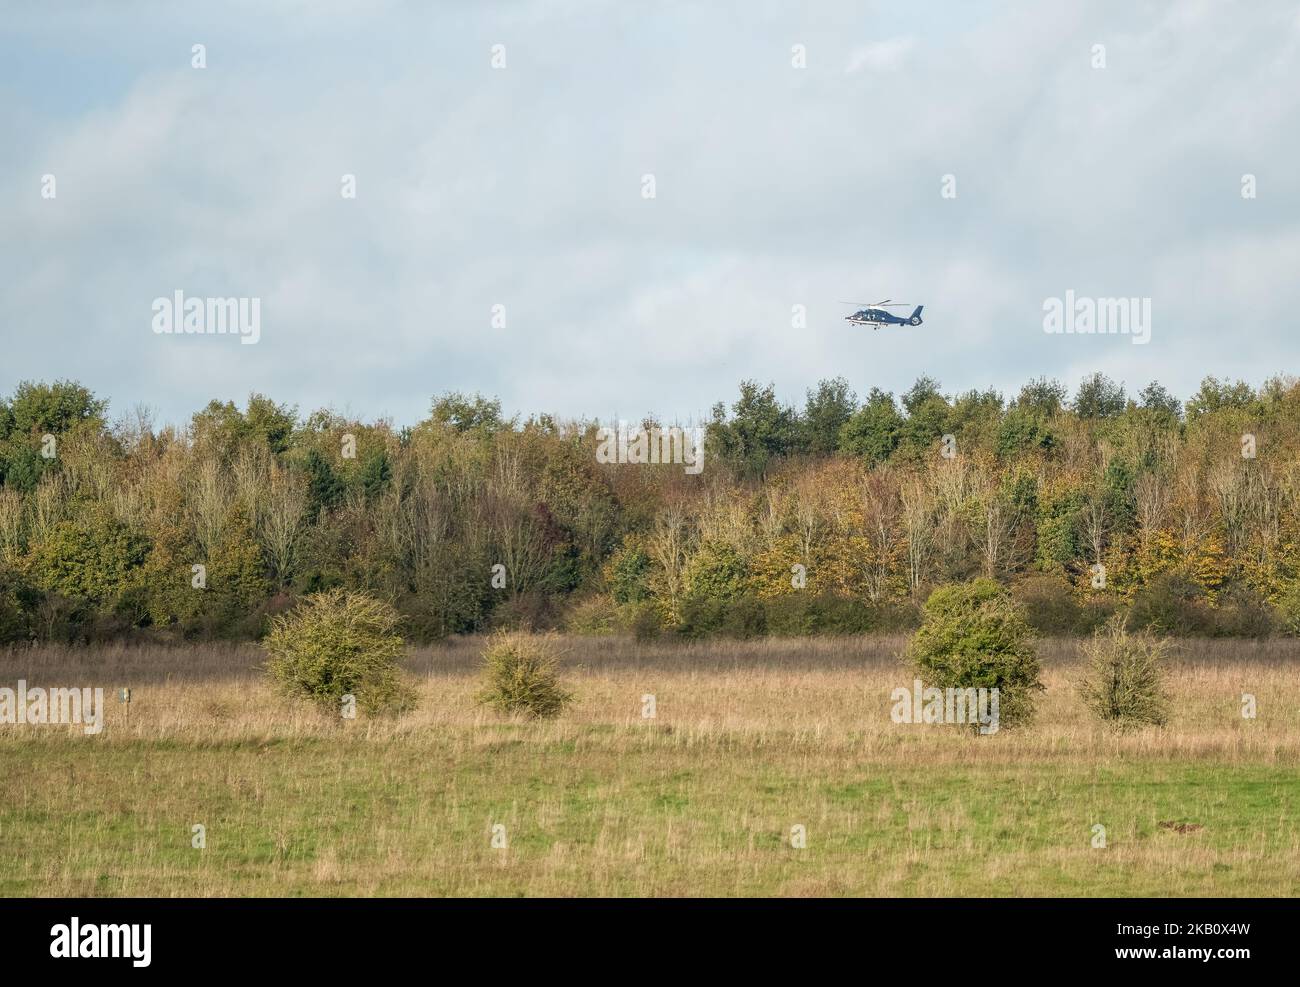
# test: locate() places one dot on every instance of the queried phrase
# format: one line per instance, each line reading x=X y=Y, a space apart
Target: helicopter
x=874 y=315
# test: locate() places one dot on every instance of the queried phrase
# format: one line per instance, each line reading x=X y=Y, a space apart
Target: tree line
x=840 y=515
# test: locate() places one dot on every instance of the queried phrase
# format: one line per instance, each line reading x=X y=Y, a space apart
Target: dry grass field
x=750 y=739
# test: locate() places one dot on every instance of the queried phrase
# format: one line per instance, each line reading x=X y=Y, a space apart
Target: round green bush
x=520 y=673
x=340 y=643
x=974 y=635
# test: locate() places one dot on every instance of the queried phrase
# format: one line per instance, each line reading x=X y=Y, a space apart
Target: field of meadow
x=770 y=767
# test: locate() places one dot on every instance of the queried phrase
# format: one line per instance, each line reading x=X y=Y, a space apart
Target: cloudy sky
x=523 y=186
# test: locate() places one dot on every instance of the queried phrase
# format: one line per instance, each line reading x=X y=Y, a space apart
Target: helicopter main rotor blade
x=885 y=304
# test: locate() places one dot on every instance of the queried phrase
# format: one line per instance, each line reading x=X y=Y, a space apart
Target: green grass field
x=749 y=741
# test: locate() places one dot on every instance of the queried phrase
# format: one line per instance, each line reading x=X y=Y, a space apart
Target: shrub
x=521 y=675
x=1288 y=610
x=699 y=616
x=1244 y=612
x=791 y=615
x=716 y=572
x=531 y=610
x=17 y=600
x=1095 y=611
x=1053 y=608
x=643 y=620
x=338 y=643
x=90 y=558
x=594 y=616
x=445 y=602
x=895 y=618
x=1124 y=684
x=166 y=577
x=797 y=614
x=745 y=617
x=1049 y=604
x=627 y=573
x=973 y=635
x=236 y=578
x=1171 y=604
x=739 y=617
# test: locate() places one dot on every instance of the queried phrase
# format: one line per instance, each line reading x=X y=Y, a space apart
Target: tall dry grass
x=749 y=738
x=831 y=691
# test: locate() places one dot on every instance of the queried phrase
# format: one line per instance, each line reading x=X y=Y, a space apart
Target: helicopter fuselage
x=876 y=317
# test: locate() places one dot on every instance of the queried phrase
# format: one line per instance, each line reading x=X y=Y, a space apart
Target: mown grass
x=749 y=740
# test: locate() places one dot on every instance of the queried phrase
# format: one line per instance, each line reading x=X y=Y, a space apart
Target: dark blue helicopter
x=875 y=315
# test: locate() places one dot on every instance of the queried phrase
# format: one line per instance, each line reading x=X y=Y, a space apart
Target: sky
x=502 y=238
